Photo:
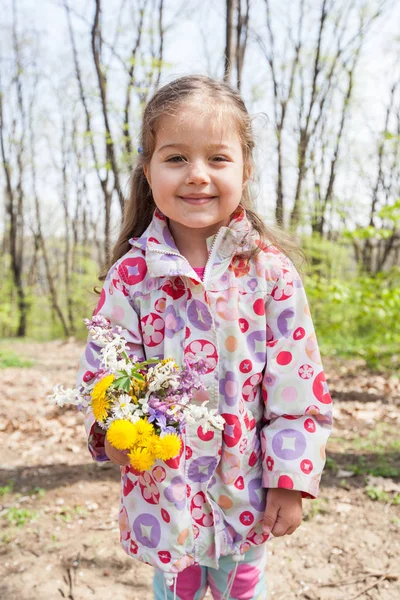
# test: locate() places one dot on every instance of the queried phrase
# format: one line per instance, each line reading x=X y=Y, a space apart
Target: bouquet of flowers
x=143 y=406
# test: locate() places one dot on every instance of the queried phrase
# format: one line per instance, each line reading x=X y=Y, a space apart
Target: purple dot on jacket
x=228 y=387
x=256 y=344
x=199 y=315
x=289 y=444
x=257 y=494
x=168 y=239
x=202 y=468
x=147 y=530
x=286 y=322
x=92 y=354
x=173 y=322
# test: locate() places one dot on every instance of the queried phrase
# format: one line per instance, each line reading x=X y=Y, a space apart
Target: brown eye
x=175 y=159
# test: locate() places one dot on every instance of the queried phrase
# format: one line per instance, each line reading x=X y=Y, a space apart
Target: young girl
x=195 y=275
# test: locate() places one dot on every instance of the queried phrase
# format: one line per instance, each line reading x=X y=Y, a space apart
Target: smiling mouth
x=197 y=199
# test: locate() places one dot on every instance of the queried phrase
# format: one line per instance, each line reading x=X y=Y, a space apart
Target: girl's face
x=196 y=172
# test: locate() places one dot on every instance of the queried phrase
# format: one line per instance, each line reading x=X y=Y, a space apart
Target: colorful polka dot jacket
x=250 y=321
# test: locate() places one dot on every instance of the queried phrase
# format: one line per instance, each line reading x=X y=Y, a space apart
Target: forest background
x=322 y=82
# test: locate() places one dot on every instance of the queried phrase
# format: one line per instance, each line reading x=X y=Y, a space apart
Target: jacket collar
x=163 y=257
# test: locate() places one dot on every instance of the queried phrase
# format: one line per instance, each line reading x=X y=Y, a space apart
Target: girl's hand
x=118 y=457
x=283 y=512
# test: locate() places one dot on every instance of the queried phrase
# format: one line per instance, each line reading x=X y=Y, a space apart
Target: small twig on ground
x=363 y=577
x=345 y=581
x=70 y=582
x=369 y=587
x=391 y=576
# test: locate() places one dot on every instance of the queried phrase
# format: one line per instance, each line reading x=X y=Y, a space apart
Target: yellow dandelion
x=141 y=458
x=100 y=406
x=102 y=386
x=121 y=434
x=144 y=431
x=168 y=446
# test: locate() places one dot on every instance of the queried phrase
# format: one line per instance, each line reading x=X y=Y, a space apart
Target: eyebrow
x=185 y=146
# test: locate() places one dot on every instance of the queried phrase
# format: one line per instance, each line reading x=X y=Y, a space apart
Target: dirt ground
x=58 y=509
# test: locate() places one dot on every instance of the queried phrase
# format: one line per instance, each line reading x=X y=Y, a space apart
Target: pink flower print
x=152 y=329
x=173 y=323
x=158 y=473
x=160 y=305
x=176 y=493
x=250 y=386
x=284 y=286
x=270 y=463
x=228 y=387
x=256 y=536
x=306 y=371
x=201 y=510
x=206 y=350
x=149 y=488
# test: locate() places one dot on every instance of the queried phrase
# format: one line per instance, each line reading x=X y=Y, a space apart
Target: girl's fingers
x=285 y=528
x=291 y=530
x=270 y=517
x=279 y=530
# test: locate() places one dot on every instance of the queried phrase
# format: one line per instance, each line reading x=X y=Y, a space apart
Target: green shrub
x=10 y=359
x=358 y=316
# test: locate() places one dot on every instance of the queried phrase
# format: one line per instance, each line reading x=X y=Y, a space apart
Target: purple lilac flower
x=157 y=404
x=162 y=424
x=97 y=321
x=155 y=414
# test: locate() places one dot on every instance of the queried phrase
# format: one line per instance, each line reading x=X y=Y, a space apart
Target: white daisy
x=123 y=407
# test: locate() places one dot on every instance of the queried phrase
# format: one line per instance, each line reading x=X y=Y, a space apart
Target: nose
x=197 y=173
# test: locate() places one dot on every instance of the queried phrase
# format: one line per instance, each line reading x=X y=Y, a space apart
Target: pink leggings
x=249 y=579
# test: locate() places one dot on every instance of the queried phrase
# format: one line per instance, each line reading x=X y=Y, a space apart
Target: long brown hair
x=139 y=209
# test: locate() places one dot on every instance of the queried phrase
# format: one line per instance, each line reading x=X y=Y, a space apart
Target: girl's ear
x=147 y=173
x=246 y=175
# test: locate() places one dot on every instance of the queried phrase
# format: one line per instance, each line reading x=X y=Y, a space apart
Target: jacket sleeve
x=114 y=304
x=297 y=404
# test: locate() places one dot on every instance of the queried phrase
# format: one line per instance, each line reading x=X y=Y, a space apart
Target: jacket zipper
x=209 y=256
x=171 y=253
